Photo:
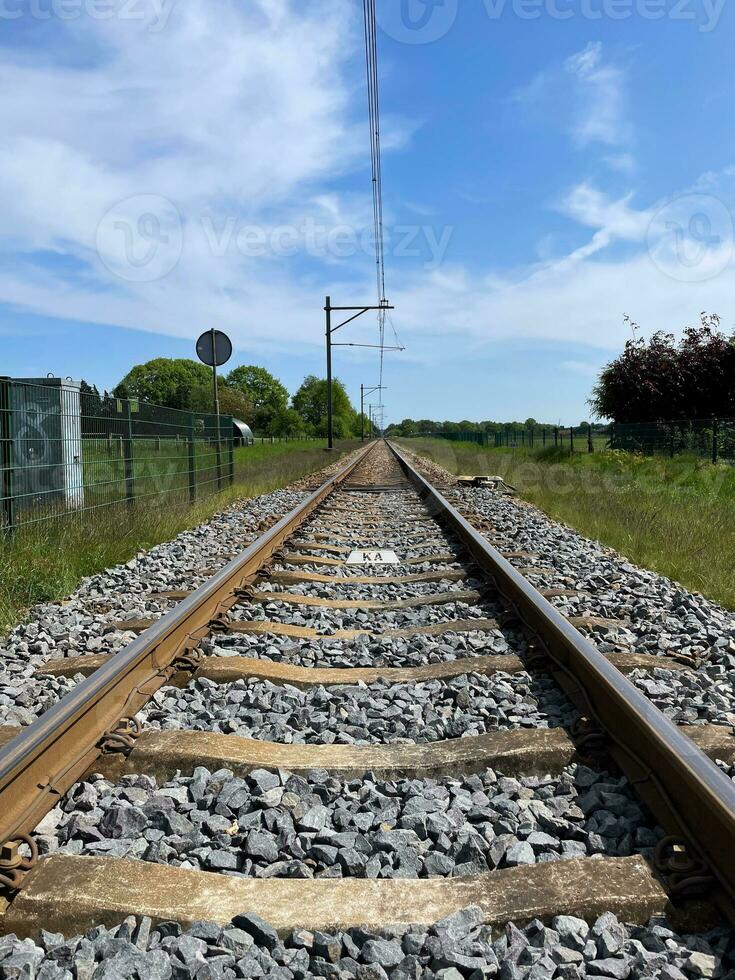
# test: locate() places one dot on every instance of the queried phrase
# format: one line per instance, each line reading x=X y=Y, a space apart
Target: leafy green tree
x=266 y=394
x=289 y=423
x=408 y=428
x=310 y=401
x=231 y=401
x=173 y=382
x=365 y=425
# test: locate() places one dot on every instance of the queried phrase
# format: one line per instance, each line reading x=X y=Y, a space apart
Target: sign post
x=214 y=348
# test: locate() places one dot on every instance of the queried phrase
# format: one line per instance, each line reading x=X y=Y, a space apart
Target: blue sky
x=549 y=165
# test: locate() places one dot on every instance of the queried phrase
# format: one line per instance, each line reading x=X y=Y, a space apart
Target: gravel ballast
x=657 y=616
x=360 y=714
x=456 y=947
x=276 y=824
x=327 y=620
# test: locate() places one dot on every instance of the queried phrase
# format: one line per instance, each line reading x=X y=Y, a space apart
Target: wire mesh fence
x=67 y=451
x=712 y=439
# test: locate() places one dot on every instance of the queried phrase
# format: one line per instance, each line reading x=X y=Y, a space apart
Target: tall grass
x=46 y=562
x=675 y=516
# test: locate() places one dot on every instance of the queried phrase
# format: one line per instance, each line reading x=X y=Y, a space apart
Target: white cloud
x=583 y=368
x=600 y=95
x=586 y=94
x=585 y=62
x=244 y=113
x=612 y=219
x=578 y=299
x=624 y=163
x=231 y=110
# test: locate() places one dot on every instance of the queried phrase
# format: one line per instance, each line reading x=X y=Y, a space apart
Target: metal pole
x=715 y=447
x=191 y=452
x=216 y=412
x=214 y=375
x=128 y=456
x=330 y=428
x=362 y=413
x=7 y=499
x=590 y=447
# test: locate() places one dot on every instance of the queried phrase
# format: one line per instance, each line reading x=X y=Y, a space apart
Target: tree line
x=249 y=393
x=423 y=427
x=656 y=380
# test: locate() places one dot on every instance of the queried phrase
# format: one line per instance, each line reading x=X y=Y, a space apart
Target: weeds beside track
x=675 y=516
x=45 y=562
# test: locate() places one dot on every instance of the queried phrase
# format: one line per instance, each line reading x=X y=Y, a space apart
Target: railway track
x=407 y=726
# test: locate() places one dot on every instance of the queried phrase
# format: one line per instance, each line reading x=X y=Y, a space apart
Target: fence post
x=218 y=453
x=128 y=455
x=715 y=434
x=191 y=450
x=556 y=436
x=231 y=457
x=6 y=456
x=590 y=447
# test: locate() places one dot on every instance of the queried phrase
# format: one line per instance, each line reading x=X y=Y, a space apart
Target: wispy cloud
x=239 y=114
x=600 y=98
x=249 y=113
x=612 y=219
x=583 y=368
x=587 y=92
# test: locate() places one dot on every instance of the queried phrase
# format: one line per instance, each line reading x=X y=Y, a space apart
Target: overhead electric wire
x=371 y=63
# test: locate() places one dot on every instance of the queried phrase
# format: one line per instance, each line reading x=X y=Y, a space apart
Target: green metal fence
x=712 y=439
x=65 y=451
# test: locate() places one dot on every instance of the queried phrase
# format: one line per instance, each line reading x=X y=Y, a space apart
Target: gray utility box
x=43 y=465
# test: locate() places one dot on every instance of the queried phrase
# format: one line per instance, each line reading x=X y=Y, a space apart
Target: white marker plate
x=373 y=558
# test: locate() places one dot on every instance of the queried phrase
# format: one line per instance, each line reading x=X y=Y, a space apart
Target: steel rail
x=690 y=796
x=40 y=764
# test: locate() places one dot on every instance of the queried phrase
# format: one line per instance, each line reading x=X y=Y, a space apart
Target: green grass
x=45 y=562
x=675 y=516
